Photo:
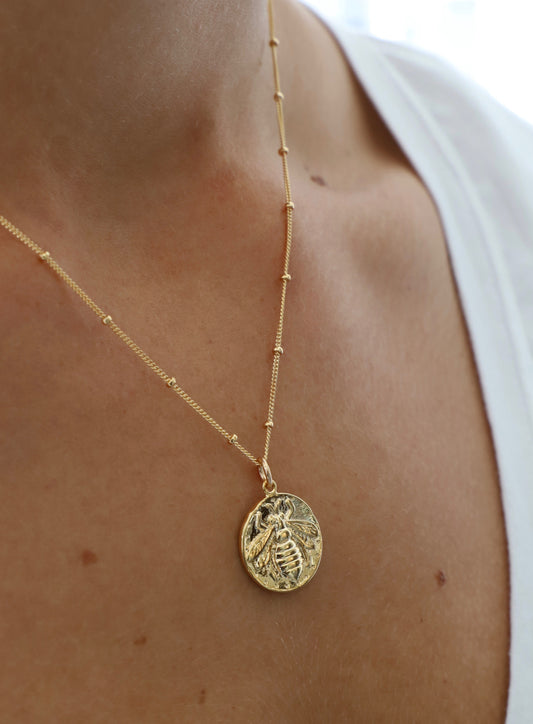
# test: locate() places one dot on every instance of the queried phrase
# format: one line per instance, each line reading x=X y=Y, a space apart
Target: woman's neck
x=117 y=112
x=98 y=97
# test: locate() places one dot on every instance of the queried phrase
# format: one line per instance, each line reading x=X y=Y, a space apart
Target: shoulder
x=424 y=78
x=426 y=102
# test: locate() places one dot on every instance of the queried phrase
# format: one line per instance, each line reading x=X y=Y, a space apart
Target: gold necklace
x=280 y=539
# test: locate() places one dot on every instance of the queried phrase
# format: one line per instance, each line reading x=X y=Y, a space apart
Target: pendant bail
x=269 y=486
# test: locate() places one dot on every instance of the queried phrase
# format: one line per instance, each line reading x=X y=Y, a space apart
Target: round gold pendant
x=281 y=542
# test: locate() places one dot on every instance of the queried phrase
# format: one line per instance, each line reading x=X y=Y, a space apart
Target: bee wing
x=265 y=556
x=303 y=531
x=258 y=543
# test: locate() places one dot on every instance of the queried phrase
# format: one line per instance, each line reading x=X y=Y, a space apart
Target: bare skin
x=123 y=597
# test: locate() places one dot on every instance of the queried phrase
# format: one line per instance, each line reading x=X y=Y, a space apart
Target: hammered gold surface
x=281 y=543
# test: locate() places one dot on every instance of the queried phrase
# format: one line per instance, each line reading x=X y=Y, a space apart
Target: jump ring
x=269 y=486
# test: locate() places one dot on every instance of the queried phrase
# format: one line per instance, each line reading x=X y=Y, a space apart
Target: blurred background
x=489 y=40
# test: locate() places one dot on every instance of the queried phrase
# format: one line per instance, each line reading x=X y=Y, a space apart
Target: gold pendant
x=281 y=542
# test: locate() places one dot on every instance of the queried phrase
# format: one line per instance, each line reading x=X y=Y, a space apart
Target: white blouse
x=476 y=160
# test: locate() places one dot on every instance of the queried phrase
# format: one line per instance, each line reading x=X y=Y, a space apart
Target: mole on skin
x=140 y=641
x=88 y=558
x=318 y=180
x=441 y=578
x=201 y=698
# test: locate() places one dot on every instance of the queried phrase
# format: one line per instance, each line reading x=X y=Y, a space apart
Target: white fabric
x=476 y=159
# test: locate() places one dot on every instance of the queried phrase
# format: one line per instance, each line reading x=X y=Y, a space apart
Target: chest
x=123 y=589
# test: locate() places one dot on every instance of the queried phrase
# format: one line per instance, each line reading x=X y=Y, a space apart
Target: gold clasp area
x=269 y=486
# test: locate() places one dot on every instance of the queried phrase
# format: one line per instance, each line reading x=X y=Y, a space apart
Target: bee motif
x=279 y=545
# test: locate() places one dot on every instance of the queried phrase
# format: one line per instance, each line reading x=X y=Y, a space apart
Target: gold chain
x=285 y=278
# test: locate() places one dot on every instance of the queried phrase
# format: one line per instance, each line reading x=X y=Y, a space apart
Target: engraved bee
x=279 y=545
